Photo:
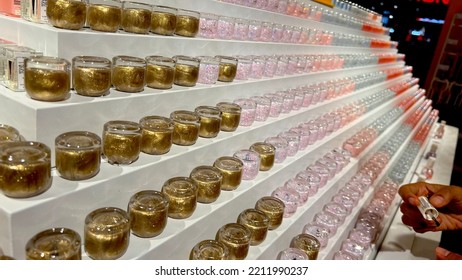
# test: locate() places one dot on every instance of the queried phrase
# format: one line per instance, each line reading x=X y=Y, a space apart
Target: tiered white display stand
x=68 y=202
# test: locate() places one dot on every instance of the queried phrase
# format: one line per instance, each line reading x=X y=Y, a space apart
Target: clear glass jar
x=209 y=250
x=273 y=207
x=25 y=168
x=136 y=17
x=236 y=238
x=91 y=75
x=148 y=212
x=208 y=25
x=251 y=161
x=163 y=20
x=186 y=70
x=248 y=110
x=210 y=121
x=230 y=116
x=244 y=68
x=67 y=14
x=231 y=168
x=208 y=180
x=121 y=141
x=156 y=135
x=321 y=233
x=307 y=243
x=276 y=104
x=292 y=254
x=225 y=27
x=208 y=69
x=182 y=197
x=160 y=72
x=186 y=127
x=104 y=15
x=106 y=233
x=267 y=154
x=241 y=29
x=187 y=23
x=263 y=107
x=227 y=68
x=78 y=155
x=55 y=244
x=290 y=198
x=47 y=78
x=128 y=73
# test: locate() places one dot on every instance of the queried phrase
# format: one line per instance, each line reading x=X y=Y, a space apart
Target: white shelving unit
x=67 y=202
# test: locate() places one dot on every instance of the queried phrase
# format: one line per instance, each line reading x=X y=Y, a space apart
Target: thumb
x=443 y=254
x=442 y=197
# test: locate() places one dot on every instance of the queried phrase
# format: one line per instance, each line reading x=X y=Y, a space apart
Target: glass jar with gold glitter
x=78 y=155
x=26 y=168
x=157 y=135
x=227 y=69
x=106 y=233
x=186 y=70
x=210 y=121
x=47 y=78
x=9 y=134
x=307 y=243
x=186 y=127
x=230 y=116
x=187 y=23
x=136 y=17
x=148 y=212
x=67 y=14
x=209 y=250
x=160 y=72
x=121 y=141
x=55 y=244
x=104 y=15
x=91 y=75
x=128 y=73
x=182 y=197
x=163 y=20
x=236 y=238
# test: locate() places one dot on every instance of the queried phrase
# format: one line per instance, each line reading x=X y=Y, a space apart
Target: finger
x=445 y=195
x=416 y=224
x=410 y=192
x=410 y=211
x=443 y=254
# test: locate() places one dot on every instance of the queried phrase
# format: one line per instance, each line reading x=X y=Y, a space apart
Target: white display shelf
x=67 y=202
x=335 y=241
x=44 y=121
x=69 y=43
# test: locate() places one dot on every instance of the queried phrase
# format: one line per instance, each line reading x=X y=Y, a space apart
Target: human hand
x=446 y=199
x=443 y=254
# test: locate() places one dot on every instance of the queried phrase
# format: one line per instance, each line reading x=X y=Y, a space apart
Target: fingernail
x=437 y=199
x=442 y=252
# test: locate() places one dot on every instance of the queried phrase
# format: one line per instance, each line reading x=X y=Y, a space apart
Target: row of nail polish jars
x=112 y=15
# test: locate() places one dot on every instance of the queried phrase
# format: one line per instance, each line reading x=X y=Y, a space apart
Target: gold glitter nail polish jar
x=163 y=20
x=308 y=244
x=160 y=72
x=230 y=116
x=106 y=233
x=186 y=127
x=156 y=135
x=67 y=14
x=55 y=244
x=187 y=23
x=267 y=153
x=257 y=222
x=182 y=197
x=273 y=208
x=236 y=238
x=9 y=134
x=231 y=169
x=91 y=75
x=136 y=17
x=210 y=121
x=228 y=68
x=148 y=212
x=209 y=250
x=186 y=70
x=121 y=141
x=78 y=155
x=47 y=78
x=128 y=73
x=26 y=169
x=208 y=180
x=104 y=15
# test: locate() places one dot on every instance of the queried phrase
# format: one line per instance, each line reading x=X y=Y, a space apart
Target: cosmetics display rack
x=67 y=203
